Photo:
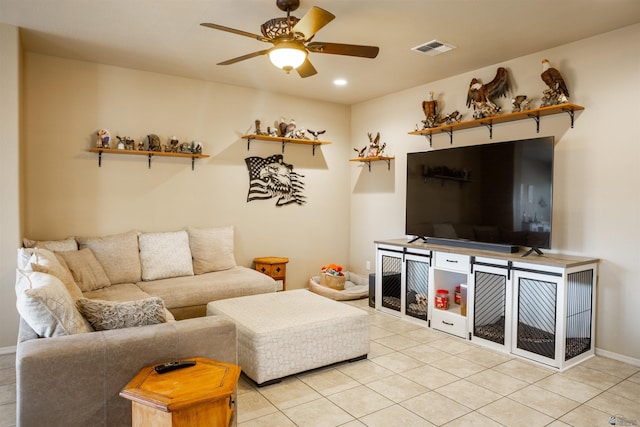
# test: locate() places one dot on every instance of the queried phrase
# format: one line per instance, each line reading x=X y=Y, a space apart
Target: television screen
x=498 y=193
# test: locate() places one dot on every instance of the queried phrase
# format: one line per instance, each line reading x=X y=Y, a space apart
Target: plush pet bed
x=355 y=287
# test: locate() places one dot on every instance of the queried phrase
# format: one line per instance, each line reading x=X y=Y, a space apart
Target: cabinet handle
x=452 y=260
x=447 y=323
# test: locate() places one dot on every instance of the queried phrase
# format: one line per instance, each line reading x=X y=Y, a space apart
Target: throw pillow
x=45 y=261
x=118 y=254
x=86 y=270
x=165 y=255
x=68 y=244
x=44 y=303
x=211 y=249
x=105 y=315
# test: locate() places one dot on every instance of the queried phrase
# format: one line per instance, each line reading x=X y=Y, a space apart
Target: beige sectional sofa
x=94 y=311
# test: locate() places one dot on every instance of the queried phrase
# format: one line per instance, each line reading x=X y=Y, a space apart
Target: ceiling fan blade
x=344 y=49
x=243 y=57
x=312 y=22
x=306 y=69
x=234 y=31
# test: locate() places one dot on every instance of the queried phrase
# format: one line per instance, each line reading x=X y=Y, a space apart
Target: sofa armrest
x=76 y=380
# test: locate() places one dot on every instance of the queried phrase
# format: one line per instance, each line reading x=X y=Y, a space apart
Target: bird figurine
x=289 y=131
x=282 y=126
x=557 y=92
x=481 y=96
x=520 y=103
x=430 y=108
x=316 y=133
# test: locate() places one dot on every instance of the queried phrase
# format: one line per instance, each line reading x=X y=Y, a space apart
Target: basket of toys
x=332 y=277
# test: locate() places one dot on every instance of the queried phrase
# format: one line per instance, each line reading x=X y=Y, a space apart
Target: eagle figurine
x=316 y=133
x=481 y=96
x=557 y=92
x=430 y=108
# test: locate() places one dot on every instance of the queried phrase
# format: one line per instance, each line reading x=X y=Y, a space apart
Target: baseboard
x=8 y=350
x=619 y=357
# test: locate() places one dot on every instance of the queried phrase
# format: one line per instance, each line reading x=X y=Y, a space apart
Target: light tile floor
x=419 y=377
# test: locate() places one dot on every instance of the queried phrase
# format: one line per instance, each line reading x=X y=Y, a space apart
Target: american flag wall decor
x=271 y=177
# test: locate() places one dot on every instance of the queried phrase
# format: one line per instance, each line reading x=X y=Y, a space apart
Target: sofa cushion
x=190 y=291
x=68 y=244
x=211 y=249
x=165 y=255
x=46 y=305
x=118 y=254
x=45 y=261
x=86 y=270
x=104 y=315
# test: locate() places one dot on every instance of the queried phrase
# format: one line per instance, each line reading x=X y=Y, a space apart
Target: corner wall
x=10 y=63
x=596 y=210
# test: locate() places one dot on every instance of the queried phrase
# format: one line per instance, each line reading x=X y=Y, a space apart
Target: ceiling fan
x=291 y=39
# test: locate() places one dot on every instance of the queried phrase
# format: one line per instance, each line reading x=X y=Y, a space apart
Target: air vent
x=433 y=48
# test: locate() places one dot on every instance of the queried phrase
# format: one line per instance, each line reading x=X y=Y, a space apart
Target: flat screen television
x=496 y=196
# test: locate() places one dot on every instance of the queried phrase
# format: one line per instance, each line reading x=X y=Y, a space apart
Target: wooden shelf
x=149 y=154
x=368 y=160
x=534 y=114
x=284 y=141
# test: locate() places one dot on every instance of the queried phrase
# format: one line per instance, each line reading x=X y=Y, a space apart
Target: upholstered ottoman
x=284 y=333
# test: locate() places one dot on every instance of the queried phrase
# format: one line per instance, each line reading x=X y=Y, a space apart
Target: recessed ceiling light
x=340 y=82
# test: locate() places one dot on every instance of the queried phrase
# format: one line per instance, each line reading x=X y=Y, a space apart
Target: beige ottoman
x=284 y=333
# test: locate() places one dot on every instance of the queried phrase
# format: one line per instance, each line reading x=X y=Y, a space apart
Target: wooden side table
x=200 y=395
x=274 y=267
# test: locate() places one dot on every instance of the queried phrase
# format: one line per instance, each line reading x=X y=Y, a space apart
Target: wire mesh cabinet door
x=490 y=308
x=417 y=286
x=537 y=317
x=389 y=281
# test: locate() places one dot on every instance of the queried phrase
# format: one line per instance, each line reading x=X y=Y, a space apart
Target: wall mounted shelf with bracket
x=368 y=160
x=488 y=122
x=149 y=154
x=284 y=141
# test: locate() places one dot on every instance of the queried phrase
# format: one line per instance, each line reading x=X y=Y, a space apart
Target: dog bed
x=355 y=287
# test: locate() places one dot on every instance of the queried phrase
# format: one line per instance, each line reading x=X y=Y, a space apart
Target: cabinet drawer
x=450 y=323
x=454 y=262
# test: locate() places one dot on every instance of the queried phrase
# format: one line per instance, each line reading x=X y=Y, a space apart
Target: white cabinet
x=541 y=308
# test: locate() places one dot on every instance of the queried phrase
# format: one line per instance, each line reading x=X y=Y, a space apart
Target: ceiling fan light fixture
x=287 y=56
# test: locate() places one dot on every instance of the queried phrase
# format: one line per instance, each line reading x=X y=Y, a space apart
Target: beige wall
x=9 y=171
x=596 y=197
x=67 y=194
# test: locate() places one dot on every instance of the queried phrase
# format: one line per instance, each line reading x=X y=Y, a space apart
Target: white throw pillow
x=165 y=255
x=46 y=305
x=45 y=261
x=211 y=249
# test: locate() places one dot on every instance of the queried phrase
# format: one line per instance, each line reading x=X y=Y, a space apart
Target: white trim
x=619 y=357
x=8 y=350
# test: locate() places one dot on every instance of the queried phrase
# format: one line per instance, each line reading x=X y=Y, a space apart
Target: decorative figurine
x=315 y=133
x=282 y=126
x=173 y=145
x=153 y=142
x=125 y=143
x=104 y=139
x=451 y=118
x=141 y=146
x=299 y=134
x=482 y=96
x=289 y=131
x=271 y=132
x=520 y=103
x=430 y=108
x=557 y=93
x=258 y=131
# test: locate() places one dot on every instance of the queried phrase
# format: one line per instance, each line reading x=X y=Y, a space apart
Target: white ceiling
x=165 y=36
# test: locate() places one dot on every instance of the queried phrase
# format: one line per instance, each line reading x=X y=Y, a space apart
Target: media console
x=541 y=308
